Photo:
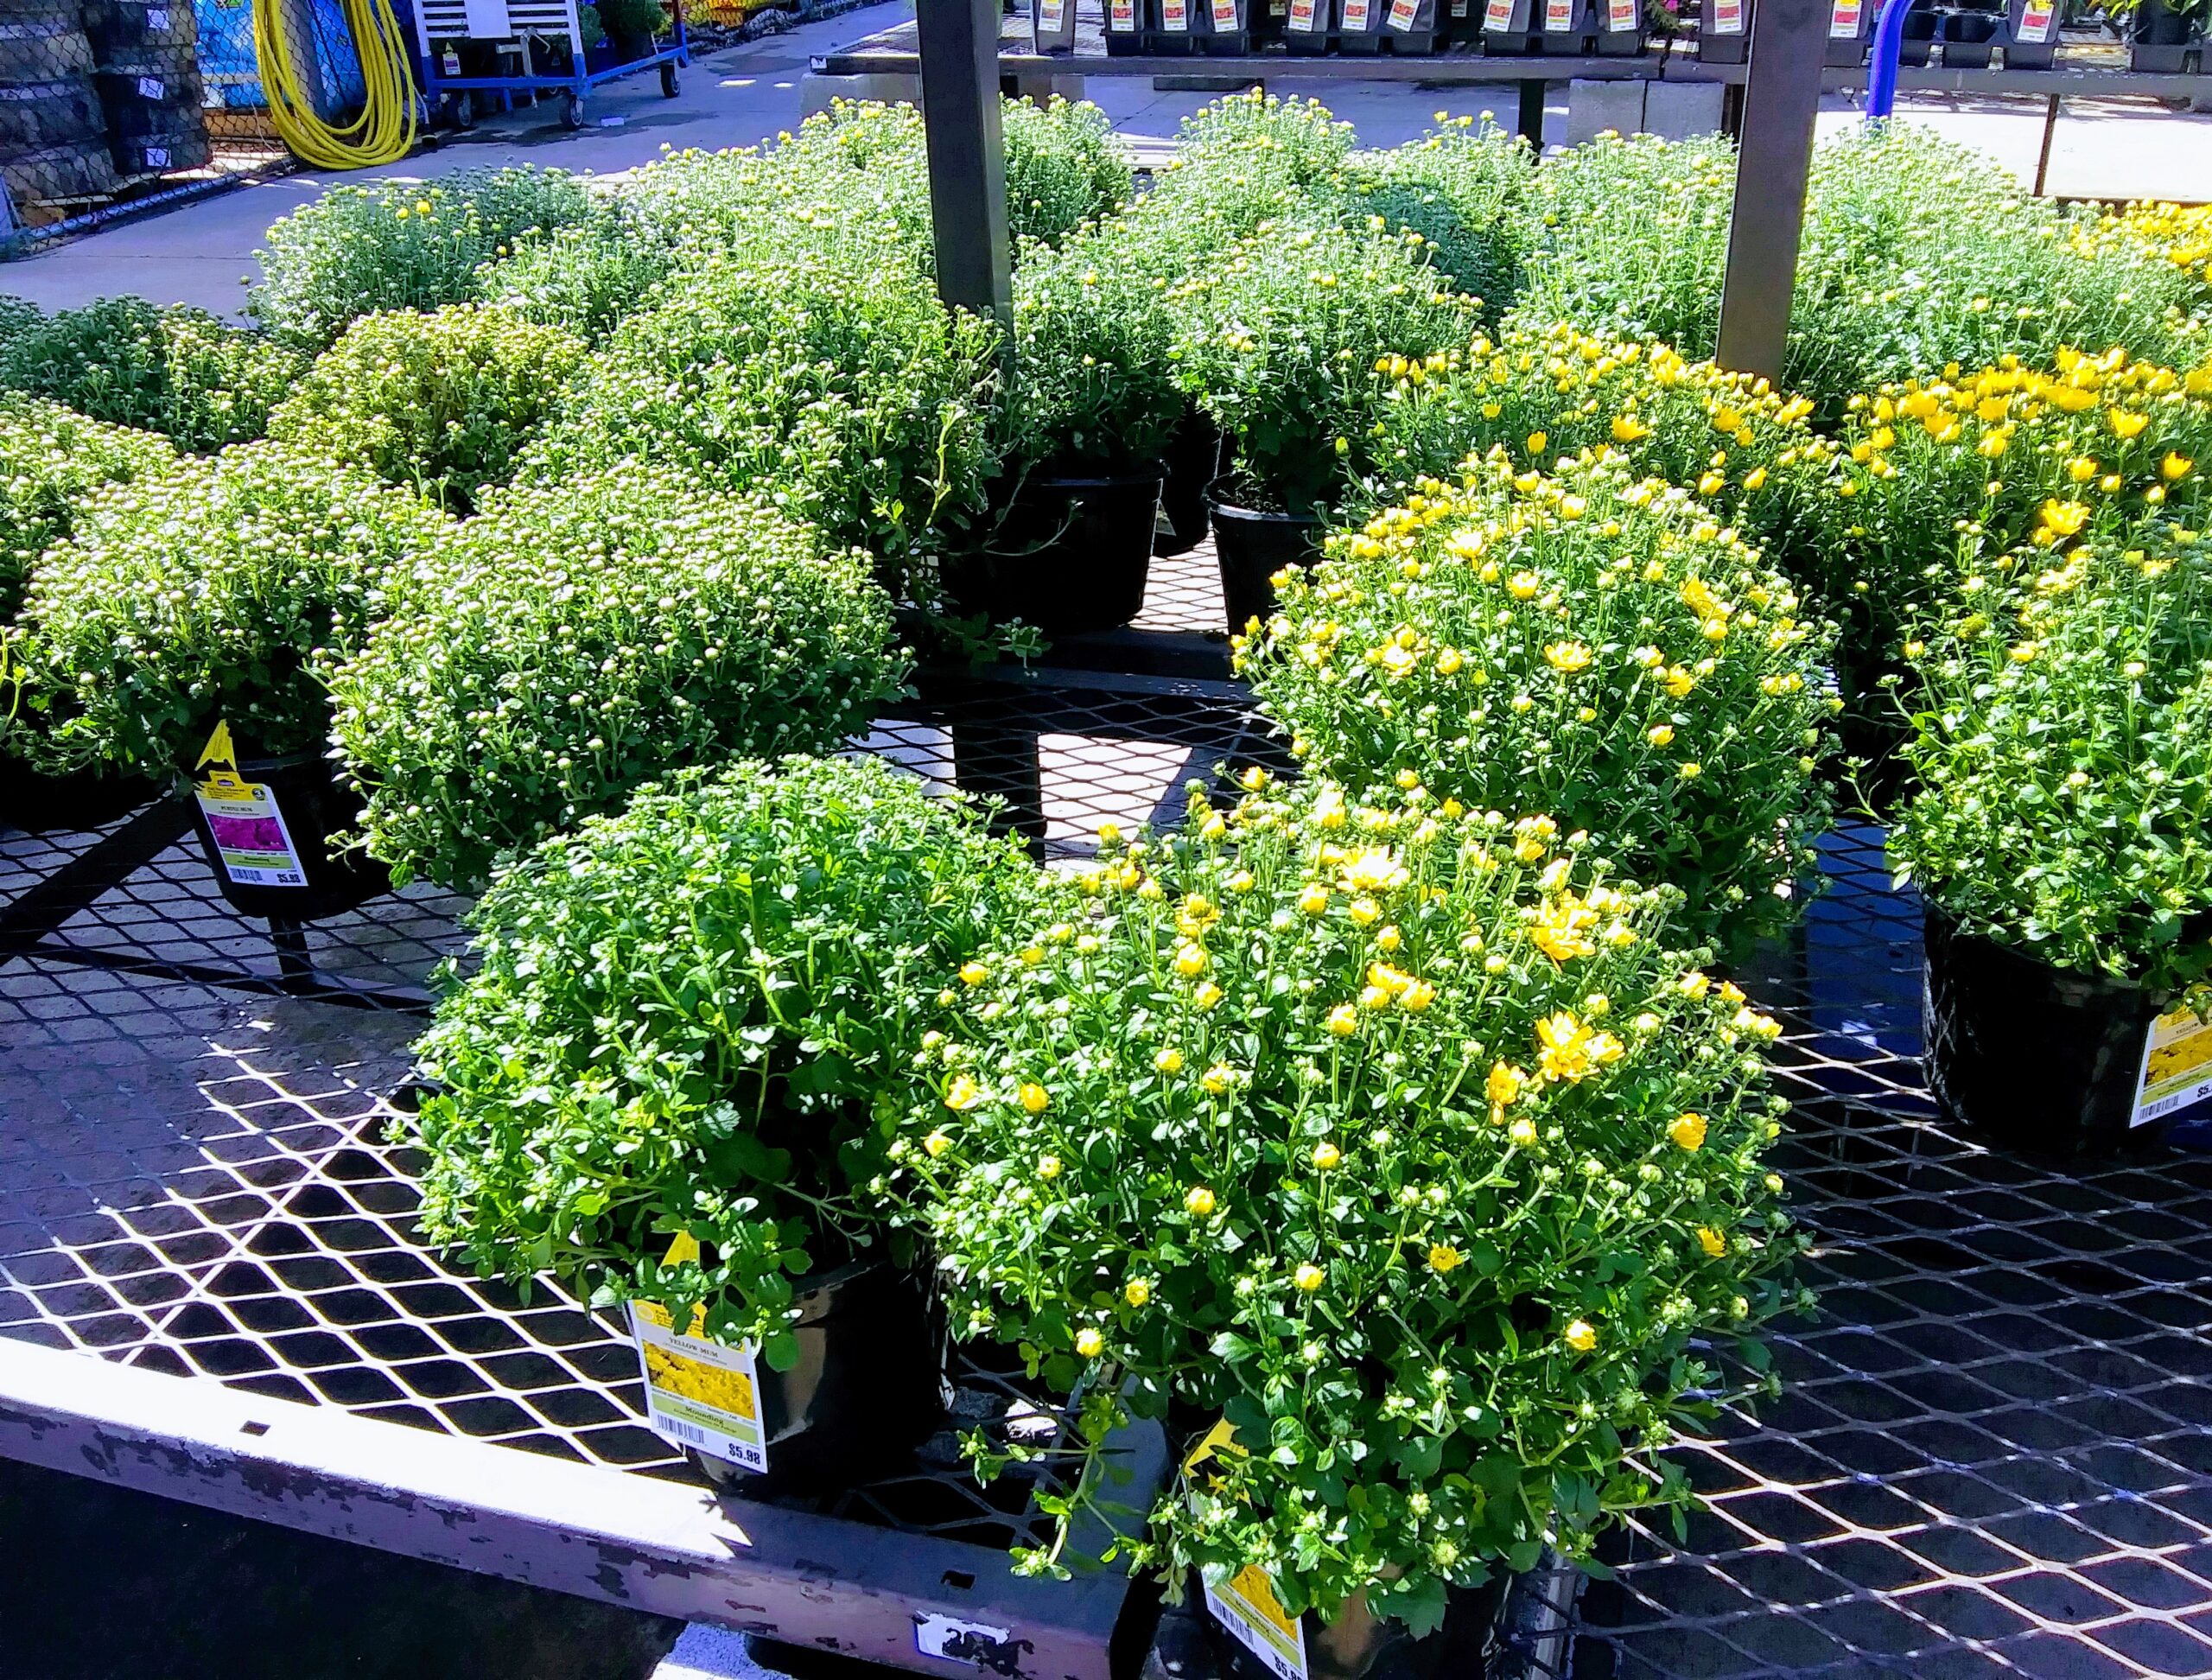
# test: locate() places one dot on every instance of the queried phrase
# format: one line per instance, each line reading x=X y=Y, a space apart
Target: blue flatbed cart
x=527 y=27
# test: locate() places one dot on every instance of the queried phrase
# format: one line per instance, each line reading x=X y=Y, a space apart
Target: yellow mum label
x=1247 y=1606
x=700 y=1393
x=2177 y=1067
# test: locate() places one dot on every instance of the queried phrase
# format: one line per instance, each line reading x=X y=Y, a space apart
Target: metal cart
x=527 y=27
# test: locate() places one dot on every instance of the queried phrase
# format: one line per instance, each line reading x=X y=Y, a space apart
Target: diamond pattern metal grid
x=1990 y=1457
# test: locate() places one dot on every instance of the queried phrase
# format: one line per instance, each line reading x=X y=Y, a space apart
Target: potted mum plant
x=572 y=642
x=178 y=628
x=1277 y=1127
x=2057 y=838
x=1279 y=343
x=1091 y=406
x=1594 y=643
x=51 y=460
x=690 y=1026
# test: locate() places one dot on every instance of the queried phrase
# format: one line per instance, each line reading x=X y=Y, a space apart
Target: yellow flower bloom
x=1207 y=994
x=1374 y=869
x=1169 y=1061
x=1191 y=962
x=1216 y=1080
x=1048 y=1167
x=936 y=1143
x=1504 y=1084
x=1677 y=681
x=1032 y=955
x=1523 y=585
x=1136 y=1292
x=1523 y=1133
x=1416 y=998
x=1366 y=911
x=1580 y=1336
x=2126 y=422
x=1442 y=1257
x=1627 y=428
x=2066 y=517
x=1661 y=734
x=1309 y=1277
x=1033 y=1097
x=1344 y=1020
x=1712 y=1242
x=1327 y=1156
x=974 y=973
x=2175 y=465
x=1314 y=900
x=1200 y=1202
x=1089 y=1343
x=1110 y=834
x=1687 y=1132
x=964 y=1095
x=1567 y=657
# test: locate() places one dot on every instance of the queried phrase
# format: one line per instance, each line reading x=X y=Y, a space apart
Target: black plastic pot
x=2163 y=39
x=2042 y=1059
x=1191 y=1645
x=1193 y=461
x=1069 y=555
x=868 y=1388
x=1253 y=546
x=300 y=792
x=1968 y=40
x=33 y=803
x=1915 y=46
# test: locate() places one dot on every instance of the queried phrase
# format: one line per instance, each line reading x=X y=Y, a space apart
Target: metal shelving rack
x=1990 y=1457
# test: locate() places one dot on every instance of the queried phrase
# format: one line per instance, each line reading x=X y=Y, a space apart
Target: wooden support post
x=1782 y=97
x=960 y=119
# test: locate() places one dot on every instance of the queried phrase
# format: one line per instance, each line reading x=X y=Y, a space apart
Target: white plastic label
x=150 y=88
x=1050 y=15
x=1246 y=1605
x=1355 y=14
x=1121 y=17
x=1175 y=16
x=2177 y=1067
x=251 y=838
x=1727 y=17
x=157 y=20
x=1459 y=8
x=1225 y=17
x=2035 y=23
x=700 y=1393
x=451 y=62
x=1621 y=16
x=1559 y=16
x=1402 y=13
x=1499 y=15
x=1306 y=18
x=1843 y=22
x=974 y=1643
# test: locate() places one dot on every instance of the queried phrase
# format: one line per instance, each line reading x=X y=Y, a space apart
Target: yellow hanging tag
x=219 y=752
x=1220 y=1438
x=684 y=1249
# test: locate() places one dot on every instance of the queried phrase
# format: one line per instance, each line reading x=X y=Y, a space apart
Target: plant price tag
x=1356 y=15
x=1559 y=16
x=1303 y=18
x=1402 y=13
x=1727 y=17
x=1621 y=16
x=699 y=1393
x=2035 y=23
x=2177 y=1067
x=1175 y=16
x=1225 y=17
x=1053 y=11
x=1121 y=17
x=249 y=834
x=1246 y=1605
x=1498 y=14
x=1843 y=22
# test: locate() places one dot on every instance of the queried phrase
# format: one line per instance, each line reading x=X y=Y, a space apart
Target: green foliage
x=1463 y=187
x=441 y=403
x=17 y=316
x=51 y=457
x=2063 y=746
x=1593 y=645
x=1391 y=1134
x=179 y=371
x=200 y=595
x=585 y=279
x=626 y=20
x=699 y=1016
x=849 y=396
x=577 y=639
x=1279 y=343
x=1064 y=167
x=401 y=246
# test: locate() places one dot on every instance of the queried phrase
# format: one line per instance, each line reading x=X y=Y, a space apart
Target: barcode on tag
x=690 y=1434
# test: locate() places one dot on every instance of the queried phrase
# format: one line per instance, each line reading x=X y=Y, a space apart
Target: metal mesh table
x=1989 y=1456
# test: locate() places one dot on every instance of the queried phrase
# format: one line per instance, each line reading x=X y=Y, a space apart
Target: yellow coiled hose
x=385 y=130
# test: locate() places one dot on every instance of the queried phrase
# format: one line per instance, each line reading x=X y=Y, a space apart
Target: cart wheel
x=572 y=112
x=461 y=111
x=668 y=80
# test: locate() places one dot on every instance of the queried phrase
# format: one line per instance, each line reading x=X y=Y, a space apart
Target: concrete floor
x=204 y=253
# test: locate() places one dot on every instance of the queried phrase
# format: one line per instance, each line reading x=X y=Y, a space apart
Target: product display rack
x=1989 y=1454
